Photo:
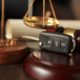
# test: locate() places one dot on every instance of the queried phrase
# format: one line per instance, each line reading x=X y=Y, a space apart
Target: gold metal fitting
x=37 y=22
x=70 y=31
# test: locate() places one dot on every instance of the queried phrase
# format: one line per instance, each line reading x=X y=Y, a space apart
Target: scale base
x=12 y=51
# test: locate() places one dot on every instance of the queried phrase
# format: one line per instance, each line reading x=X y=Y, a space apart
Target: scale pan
x=40 y=22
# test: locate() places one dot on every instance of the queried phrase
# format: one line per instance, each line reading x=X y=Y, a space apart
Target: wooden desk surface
x=14 y=71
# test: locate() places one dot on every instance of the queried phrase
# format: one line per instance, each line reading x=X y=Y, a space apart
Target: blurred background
x=65 y=9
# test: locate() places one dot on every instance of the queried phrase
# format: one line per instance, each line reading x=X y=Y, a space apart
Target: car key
x=57 y=42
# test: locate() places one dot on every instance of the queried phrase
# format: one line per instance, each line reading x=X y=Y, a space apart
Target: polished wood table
x=13 y=72
x=16 y=72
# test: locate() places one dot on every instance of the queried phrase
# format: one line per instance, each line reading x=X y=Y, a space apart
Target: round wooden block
x=12 y=51
x=42 y=65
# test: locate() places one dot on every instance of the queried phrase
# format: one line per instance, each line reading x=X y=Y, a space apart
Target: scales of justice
x=12 y=49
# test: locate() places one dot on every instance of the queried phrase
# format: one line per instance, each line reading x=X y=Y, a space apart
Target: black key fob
x=57 y=42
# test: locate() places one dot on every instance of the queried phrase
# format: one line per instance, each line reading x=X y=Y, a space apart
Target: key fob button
x=64 y=45
x=48 y=43
x=56 y=42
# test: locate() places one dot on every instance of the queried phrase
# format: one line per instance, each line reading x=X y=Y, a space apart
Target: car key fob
x=57 y=42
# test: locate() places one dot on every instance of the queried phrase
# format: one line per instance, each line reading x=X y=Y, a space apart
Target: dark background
x=62 y=8
x=17 y=8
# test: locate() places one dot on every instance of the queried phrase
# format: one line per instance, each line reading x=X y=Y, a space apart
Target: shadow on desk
x=13 y=72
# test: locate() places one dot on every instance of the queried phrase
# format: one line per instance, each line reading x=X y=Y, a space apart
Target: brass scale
x=8 y=46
